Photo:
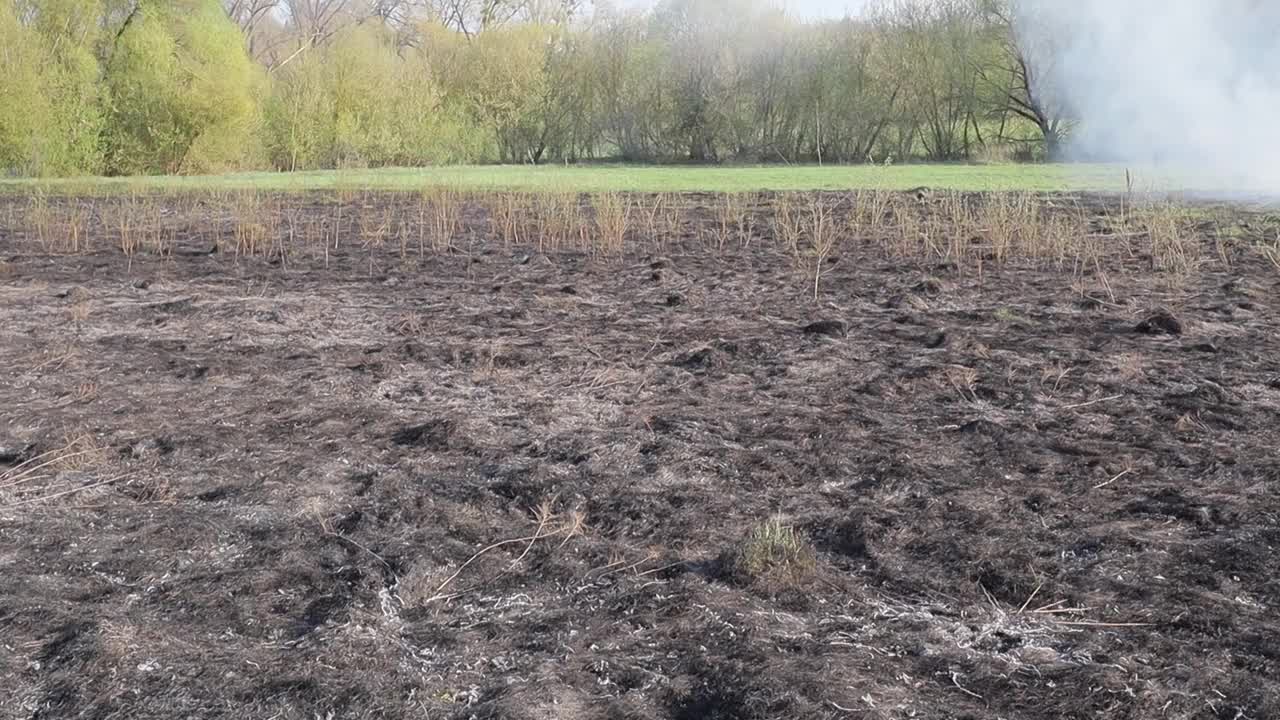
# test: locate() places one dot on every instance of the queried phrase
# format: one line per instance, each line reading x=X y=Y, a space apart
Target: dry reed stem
x=613 y=216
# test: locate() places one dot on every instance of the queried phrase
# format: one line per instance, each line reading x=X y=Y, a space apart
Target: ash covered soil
x=501 y=484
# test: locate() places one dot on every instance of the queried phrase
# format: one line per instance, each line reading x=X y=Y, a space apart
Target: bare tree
x=251 y=15
x=315 y=21
x=471 y=17
x=1023 y=77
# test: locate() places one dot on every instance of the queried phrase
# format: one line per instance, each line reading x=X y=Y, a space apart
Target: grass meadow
x=630 y=178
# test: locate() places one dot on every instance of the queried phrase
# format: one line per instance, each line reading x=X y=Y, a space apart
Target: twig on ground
x=955 y=678
x=64 y=493
x=1092 y=402
x=1117 y=477
x=14 y=478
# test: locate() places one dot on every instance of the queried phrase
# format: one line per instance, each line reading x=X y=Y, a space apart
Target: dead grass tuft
x=774 y=554
x=78 y=313
x=613 y=218
x=418 y=589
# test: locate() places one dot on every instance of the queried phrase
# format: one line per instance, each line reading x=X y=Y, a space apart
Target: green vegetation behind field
x=629 y=178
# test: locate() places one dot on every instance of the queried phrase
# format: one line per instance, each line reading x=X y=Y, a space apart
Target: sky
x=824 y=8
x=803 y=8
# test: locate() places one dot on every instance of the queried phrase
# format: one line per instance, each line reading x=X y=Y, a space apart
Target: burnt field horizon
x=515 y=455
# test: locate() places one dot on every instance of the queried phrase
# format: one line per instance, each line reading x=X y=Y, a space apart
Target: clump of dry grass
x=446 y=214
x=81 y=451
x=73 y=233
x=40 y=217
x=613 y=218
x=1271 y=251
x=1172 y=249
x=375 y=228
x=1012 y=222
x=419 y=588
x=255 y=225
x=152 y=227
x=126 y=227
x=507 y=211
x=79 y=312
x=788 y=224
x=555 y=219
x=408 y=325
x=43 y=476
x=732 y=221
x=773 y=553
x=904 y=241
x=870 y=208
x=958 y=229
x=964 y=380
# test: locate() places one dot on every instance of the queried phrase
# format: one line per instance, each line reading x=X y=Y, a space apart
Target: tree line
x=187 y=86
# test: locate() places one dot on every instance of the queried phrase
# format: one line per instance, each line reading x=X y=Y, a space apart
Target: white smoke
x=1188 y=85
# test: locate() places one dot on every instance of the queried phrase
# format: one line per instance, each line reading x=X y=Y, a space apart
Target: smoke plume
x=1186 y=85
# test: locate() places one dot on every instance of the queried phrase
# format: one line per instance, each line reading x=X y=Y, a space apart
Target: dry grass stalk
x=856 y=222
x=337 y=228
x=78 y=313
x=74 y=233
x=346 y=188
x=671 y=221
x=613 y=216
x=731 y=221
x=1011 y=222
x=1172 y=250
x=422 y=213
x=375 y=228
x=653 y=217
x=507 y=211
x=723 y=222
x=905 y=241
x=1272 y=252
x=285 y=242
x=40 y=216
x=253 y=227
x=788 y=224
x=550 y=525
x=446 y=215
x=822 y=235
x=555 y=219
x=129 y=241
x=878 y=206
x=964 y=381
x=42 y=466
x=159 y=237
x=959 y=227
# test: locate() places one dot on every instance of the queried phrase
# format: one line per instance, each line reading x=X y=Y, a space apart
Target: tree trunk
x=1052 y=142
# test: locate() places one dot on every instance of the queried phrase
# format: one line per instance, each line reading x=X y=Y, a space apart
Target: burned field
x=828 y=456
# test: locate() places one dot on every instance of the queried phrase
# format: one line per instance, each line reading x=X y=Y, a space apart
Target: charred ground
x=494 y=482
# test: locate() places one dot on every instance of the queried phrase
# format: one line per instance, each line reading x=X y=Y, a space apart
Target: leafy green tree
x=361 y=101
x=50 y=118
x=184 y=95
x=23 y=107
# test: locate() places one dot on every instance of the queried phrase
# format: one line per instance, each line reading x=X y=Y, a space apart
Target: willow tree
x=50 y=111
x=184 y=95
x=360 y=100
